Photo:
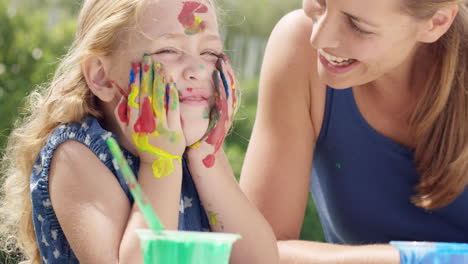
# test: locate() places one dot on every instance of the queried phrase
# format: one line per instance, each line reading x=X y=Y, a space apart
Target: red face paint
x=209 y=161
x=136 y=70
x=189 y=90
x=217 y=135
x=146 y=68
x=124 y=112
x=192 y=24
x=145 y=123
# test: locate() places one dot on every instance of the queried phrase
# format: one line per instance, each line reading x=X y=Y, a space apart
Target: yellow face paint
x=212 y=218
x=163 y=166
x=195 y=145
x=159 y=90
x=132 y=96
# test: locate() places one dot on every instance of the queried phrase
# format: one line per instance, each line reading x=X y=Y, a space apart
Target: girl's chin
x=193 y=135
x=194 y=124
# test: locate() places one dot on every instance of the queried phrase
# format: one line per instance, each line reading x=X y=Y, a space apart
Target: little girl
x=66 y=202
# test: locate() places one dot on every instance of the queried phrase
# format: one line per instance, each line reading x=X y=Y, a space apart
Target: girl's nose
x=196 y=70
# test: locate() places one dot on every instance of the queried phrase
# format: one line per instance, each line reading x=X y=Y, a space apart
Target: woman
x=373 y=96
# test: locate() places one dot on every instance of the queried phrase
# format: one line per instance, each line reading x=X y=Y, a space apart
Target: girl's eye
x=357 y=29
x=211 y=53
x=165 y=51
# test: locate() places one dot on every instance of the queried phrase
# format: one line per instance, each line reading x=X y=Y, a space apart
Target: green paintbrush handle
x=135 y=189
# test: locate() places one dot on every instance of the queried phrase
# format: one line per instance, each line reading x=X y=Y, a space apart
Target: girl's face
x=184 y=37
x=360 y=41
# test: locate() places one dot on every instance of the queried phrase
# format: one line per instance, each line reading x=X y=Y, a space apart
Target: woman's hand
x=149 y=116
x=221 y=115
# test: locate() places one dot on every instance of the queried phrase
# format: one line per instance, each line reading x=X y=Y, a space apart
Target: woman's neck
x=398 y=90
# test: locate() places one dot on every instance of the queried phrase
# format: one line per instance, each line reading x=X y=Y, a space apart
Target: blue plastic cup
x=431 y=252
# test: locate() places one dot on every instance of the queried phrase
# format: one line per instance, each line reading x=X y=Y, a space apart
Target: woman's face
x=184 y=37
x=360 y=41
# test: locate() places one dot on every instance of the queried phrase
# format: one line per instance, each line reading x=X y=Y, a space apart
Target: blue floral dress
x=53 y=244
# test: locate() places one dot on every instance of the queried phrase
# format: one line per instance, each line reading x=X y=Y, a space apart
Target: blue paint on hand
x=431 y=252
x=225 y=83
x=132 y=76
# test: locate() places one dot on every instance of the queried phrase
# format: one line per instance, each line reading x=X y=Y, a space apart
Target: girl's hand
x=149 y=116
x=221 y=114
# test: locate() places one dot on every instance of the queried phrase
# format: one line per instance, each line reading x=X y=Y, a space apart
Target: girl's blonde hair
x=440 y=120
x=65 y=99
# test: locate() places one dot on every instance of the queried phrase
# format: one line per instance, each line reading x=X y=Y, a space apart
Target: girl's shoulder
x=87 y=133
x=87 y=129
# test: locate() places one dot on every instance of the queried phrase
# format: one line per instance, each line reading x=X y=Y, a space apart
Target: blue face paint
x=225 y=83
x=132 y=76
x=168 y=91
x=219 y=67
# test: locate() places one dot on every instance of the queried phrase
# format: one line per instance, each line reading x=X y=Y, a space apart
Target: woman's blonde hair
x=65 y=99
x=440 y=120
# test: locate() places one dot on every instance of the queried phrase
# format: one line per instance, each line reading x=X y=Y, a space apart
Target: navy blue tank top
x=362 y=183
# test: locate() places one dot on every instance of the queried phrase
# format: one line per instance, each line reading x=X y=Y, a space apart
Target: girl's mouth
x=194 y=100
x=195 y=97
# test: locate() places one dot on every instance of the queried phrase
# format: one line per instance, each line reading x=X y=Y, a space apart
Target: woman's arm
x=305 y=252
x=277 y=168
x=93 y=210
x=230 y=211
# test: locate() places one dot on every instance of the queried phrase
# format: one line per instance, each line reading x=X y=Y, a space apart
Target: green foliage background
x=34 y=34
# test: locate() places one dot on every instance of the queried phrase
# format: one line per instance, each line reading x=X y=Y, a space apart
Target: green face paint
x=174 y=96
x=206 y=114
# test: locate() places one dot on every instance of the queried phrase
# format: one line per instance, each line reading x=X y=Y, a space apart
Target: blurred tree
x=30 y=47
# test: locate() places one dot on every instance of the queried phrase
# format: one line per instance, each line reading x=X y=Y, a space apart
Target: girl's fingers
x=134 y=95
x=224 y=101
x=159 y=94
x=147 y=77
x=173 y=109
x=146 y=122
x=223 y=80
x=215 y=112
x=232 y=84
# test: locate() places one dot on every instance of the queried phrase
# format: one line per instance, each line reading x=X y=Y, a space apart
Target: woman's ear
x=438 y=24
x=96 y=71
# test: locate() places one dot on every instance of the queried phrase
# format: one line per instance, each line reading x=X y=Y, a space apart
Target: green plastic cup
x=183 y=247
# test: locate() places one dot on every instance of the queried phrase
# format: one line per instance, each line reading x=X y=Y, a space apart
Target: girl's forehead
x=190 y=17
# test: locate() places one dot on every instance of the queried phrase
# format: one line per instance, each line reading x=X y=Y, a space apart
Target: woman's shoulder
x=295 y=23
x=291 y=61
x=289 y=47
x=293 y=31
